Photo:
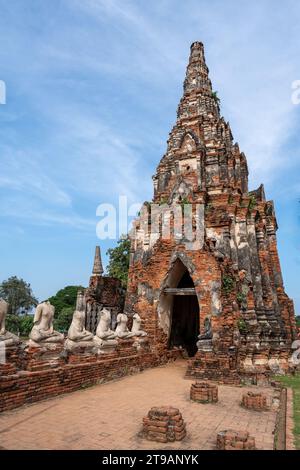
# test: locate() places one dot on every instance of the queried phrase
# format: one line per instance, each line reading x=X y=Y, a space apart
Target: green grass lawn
x=294 y=383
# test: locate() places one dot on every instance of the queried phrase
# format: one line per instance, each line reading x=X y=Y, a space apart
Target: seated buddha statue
x=205 y=339
x=105 y=336
x=136 y=326
x=6 y=338
x=103 y=330
x=122 y=330
x=42 y=332
x=78 y=336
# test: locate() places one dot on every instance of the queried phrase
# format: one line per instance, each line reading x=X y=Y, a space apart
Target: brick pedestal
x=218 y=367
x=164 y=424
x=125 y=347
x=42 y=358
x=235 y=440
x=9 y=359
x=203 y=392
x=83 y=357
x=254 y=401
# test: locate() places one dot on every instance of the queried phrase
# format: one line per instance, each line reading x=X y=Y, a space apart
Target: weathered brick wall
x=221 y=367
x=147 y=281
x=18 y=387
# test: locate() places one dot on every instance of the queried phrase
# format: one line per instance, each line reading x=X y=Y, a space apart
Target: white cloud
x=252 y=66
x=88 y=151
x=31 y=211
x=92 y=91
x=23 y=172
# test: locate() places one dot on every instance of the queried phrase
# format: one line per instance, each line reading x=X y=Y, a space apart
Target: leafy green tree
x=18 y=294
x=119 y=260
x=64 y=298
x=26 y=324
x=12 y=323
x=298 y=320
x=63 y=321
x=64 y=302
x=19 y=324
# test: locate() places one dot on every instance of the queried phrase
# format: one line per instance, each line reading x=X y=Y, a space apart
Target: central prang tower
x=230 y=290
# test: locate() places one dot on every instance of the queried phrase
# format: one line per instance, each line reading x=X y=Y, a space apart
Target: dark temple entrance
x=185 y=316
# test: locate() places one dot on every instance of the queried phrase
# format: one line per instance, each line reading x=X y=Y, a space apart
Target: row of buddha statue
x=44 y=335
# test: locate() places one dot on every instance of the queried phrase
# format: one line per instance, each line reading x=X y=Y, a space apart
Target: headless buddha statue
x=78 y=336
x=6 y=338
x=103 y=330
x=136 y=326
x=122 y=330
x=42 y=332
x=105 y=336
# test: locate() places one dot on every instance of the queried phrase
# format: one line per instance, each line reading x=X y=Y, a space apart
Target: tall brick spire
x=197 y=71
x=98 y=268
x=201 y=153
x=198 y=94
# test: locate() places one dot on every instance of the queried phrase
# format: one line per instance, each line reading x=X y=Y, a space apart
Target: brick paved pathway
x=109 y=416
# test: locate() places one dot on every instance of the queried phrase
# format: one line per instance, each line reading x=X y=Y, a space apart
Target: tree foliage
x=119 y=260
x=64 y=298
x=19 y=324
x=216 y=98
x=64 y=319
x=64 y=302
x=18 y=294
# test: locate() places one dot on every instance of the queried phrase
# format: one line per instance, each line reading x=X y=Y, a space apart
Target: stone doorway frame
x=178 y=267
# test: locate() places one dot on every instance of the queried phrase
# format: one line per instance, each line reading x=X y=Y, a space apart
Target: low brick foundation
x=235 y=440
x=164 y=424
x=19 y=386
x=254 y=401
x=235 y=367
x=35 y=359
x=208 y=365
x=10 y=362
x=203 y=392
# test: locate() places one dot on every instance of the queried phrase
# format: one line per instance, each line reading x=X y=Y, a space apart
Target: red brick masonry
x=164 y=424
x=235 y=440
x=254 y=401
x=203 y=392
x=234 y=269
x=18 y=387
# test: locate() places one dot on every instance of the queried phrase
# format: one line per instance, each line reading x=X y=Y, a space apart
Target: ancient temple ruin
x=212 y=294
x=229 y=289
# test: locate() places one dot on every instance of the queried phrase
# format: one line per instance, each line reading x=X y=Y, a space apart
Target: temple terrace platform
x=109 y=416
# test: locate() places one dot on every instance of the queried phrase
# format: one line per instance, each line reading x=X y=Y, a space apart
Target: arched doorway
x=179 y=309
x=185 y=317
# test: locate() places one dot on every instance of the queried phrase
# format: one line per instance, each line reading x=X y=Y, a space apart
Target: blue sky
x=92 y=92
